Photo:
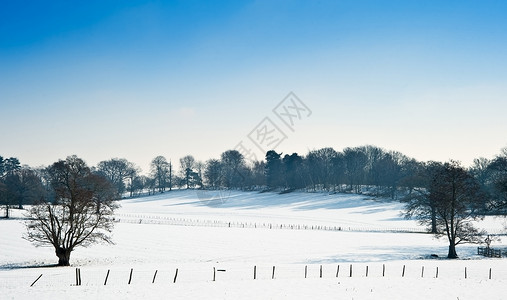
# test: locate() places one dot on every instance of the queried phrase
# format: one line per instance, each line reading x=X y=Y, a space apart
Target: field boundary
x=144 y=276
x=160 y=220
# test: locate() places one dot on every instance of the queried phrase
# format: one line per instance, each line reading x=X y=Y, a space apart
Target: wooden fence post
x=107 y=275
x=320 y=271
x=465 y=272
x=489 y=273
x=175 y=275
x=154 y=276
x=255 y=272
x=351 y=270
x=383 y=270
x=403 y=272
x=36 y=280
x=337 y=270
x=130 y=277
x=77 y=276
x=273 y=276
x=214 y=273
x=306 y=271
x=422 y=272
x=366 y=271
x=436 y=275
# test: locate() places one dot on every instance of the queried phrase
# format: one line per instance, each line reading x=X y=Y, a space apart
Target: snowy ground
x=197 y=232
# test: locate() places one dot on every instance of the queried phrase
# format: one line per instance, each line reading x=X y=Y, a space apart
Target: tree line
x=364 y=170
x=73 y=203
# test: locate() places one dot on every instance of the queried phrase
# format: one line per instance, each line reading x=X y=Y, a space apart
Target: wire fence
x=164 y=220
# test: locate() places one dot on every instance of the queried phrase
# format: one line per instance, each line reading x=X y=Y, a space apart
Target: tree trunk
x=434 y=220
x=63 y=256
x=452 y=251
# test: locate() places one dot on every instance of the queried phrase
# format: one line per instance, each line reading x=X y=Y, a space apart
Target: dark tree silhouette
x=274 y=170
x=293 y=167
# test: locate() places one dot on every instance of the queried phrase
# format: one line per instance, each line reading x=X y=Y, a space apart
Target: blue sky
x=137 y=79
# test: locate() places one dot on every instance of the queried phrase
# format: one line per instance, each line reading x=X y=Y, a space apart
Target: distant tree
x=274 y=169
x=80 y=214
x=134 y=180
x=8 y=166
x=258 y=178
x=233 y=169
x=376 y=159
x=411 y=179
x=338 y=171
x=150 y=183
x=355 y=167
x=419 y=203
x=479 y=170
x=118 y=170
x=137 y=184
x=187 y=165
x=213 y=173
x=293 y=170
x=24 y=187
x=393 y=171
x=10 y=184
x=180 y=182
x=482 y=172
x=161 y=173
x=320 y=167
x=456 y=196
x=497 y=183
x=4 y=200
x=199 y=173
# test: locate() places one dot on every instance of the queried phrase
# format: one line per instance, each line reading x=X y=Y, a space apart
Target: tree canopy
x=80 y=214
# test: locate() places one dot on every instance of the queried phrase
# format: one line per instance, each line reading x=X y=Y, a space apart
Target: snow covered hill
x=197 y=232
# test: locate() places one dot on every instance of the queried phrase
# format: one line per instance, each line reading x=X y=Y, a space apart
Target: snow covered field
x=233 y=232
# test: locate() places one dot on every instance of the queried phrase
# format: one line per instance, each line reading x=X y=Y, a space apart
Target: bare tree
x=213 y=173
x=81 y=213
x=234 y=169
x=419 y=204
x=187 y=165
x=355 y=167
x=161 y=172
x=118 y=170
x=199 y=167
x=456 y=199
x=320 y=166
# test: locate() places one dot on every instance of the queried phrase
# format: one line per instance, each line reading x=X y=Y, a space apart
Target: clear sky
x=137 y=79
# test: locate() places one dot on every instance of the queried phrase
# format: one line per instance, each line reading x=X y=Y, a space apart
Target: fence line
x=159 y=220
x=95 y=277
